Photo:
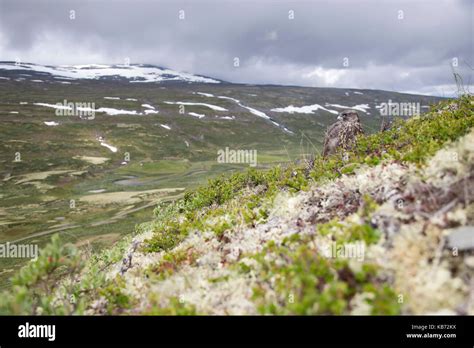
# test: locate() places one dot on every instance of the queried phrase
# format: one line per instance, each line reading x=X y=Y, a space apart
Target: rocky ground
x=422 y=252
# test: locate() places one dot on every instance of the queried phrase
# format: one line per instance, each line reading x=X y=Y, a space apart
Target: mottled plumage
x=342 y=133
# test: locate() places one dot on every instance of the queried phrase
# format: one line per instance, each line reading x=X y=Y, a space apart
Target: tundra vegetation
x=253 y=242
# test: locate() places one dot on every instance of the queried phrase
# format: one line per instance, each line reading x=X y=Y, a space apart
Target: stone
x=462 y=238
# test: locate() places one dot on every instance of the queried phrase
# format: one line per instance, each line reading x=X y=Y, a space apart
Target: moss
x=219 y=279
x=244 y=268
x=384 y=300
x=307 y=283
x=117 y=300
x=294 y=238
x=363 y=232
x=349 y=169
x=224 y=188
x=47 y=285
x=175 y=306
x=166 y=238
x=171 y=262
x=353 y=231
x=221 y=228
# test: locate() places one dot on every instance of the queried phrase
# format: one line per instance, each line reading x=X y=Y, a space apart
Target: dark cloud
x=384 y=51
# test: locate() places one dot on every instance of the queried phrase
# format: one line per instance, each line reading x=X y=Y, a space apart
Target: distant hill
x=131 y=72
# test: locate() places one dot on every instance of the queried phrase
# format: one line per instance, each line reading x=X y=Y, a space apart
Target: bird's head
x=348 y=116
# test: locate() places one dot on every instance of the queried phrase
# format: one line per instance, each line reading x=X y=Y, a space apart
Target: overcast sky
x=393 y=45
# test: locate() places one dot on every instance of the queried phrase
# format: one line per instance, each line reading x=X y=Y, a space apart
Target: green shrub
x=34 y=285
x=307 y=283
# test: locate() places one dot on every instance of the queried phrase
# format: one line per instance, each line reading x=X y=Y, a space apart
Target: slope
x=276 y=241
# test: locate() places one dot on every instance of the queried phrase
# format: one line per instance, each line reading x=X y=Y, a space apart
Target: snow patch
x=308 y=109
x=196 y=115
x=135 y=73
x=360 y=107
x=210 y=106
x=252 y=110
x=89 y=66
x=108 y=111
x=51 y=123
x=205 y=94
x=97 y=191
x=110 y=147
x=113 y=112
x=147 y=112
x=257 y=113
x=54 y=106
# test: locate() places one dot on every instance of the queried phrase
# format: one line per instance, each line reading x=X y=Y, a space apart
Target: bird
x=343 y=133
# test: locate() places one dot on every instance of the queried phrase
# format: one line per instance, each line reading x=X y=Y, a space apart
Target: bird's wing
x=330 y=133
x=359 y=128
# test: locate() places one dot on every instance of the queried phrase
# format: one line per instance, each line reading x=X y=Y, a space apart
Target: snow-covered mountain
x=134 y=73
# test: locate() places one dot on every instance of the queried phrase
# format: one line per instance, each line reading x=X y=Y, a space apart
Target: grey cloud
x=413 y=53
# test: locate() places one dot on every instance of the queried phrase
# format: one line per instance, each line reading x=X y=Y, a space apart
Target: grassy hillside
x=66 y=162
x=258 y=241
